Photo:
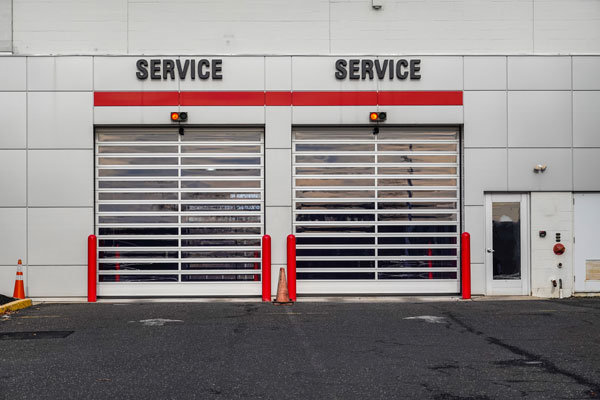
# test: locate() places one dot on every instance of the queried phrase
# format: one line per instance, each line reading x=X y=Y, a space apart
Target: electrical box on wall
x=551 y=244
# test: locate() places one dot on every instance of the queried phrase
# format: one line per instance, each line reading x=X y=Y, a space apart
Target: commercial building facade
x=497 y=141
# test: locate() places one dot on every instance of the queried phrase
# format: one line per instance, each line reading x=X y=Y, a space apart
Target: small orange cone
x=19 y=292
x=283 y=297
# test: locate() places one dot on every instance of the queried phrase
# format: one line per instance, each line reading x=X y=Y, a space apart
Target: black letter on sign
x=142 y=71
x=399 y=73
x=391 y=69
x=203 y=75
x=183 y=71
x=168 y=69
x=154 y=69
x=354 y=68
x=415 y=67
x=193 y=70
x=381 y=69
x=367 y=69
x=217 y=68
x=340 y=66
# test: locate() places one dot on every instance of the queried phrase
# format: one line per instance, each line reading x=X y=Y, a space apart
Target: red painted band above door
x=280 y=98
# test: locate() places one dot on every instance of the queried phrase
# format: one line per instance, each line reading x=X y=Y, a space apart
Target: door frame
x=508 y=287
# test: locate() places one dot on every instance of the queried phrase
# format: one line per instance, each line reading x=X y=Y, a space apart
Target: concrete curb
x=15 y=305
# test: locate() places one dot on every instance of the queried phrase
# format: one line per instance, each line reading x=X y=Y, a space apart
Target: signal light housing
x=179 y=116
x=377 y=116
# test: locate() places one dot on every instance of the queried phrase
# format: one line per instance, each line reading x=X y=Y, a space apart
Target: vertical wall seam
x=572 y=131
x=507 y=121
x=329 y=25
x=533 y=27
x=12 y=28
x=26 y=176
x=127 y=28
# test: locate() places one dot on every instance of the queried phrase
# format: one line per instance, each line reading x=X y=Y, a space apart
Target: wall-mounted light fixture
x=539 y=168
x=377 y=4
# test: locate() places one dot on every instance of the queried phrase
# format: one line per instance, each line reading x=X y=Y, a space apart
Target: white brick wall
x=314 y=27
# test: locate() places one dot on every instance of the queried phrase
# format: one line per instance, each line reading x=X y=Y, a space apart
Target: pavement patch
x=34 y=335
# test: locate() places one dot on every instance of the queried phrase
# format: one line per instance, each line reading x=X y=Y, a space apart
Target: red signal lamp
x=179 y=116
x=377 y=116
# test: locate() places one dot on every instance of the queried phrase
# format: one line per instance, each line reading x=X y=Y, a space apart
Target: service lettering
x=157 y=69
x=380 y=69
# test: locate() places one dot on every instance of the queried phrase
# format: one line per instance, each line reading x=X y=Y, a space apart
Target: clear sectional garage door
x=376 y=213
x=179 y=214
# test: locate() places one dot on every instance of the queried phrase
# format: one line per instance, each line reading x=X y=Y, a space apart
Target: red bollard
x=266 y=268
x=92 y=268
x=465 y=255
x=291 y=266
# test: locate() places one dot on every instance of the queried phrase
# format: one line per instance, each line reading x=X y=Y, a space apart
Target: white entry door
x=587 y=243
x=507 y=244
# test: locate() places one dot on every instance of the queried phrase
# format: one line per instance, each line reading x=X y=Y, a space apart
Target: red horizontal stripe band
x=301 y=98
x=278 y=98
x=420 y=98
x=222 y=98
x=334 y=98
x=136 y=98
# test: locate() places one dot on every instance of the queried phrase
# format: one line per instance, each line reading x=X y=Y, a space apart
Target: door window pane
x=506 y=240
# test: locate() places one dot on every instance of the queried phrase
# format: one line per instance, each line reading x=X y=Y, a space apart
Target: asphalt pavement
x=534 y=349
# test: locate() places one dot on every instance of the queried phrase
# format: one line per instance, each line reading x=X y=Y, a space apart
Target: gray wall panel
x=558 y=175
x=539 y=119
x=485 y=119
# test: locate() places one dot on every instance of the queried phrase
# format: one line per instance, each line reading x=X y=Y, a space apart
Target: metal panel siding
x=58 y=236
x=5 y=25
x=558 y=176
x=539 y=119
x=485 y=119
x=13 y=114
x=13 y=182
x=485 y=169
x=485 y=73
x=60 y=120
x=13 y=237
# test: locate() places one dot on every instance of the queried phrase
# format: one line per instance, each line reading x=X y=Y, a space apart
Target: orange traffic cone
x=19 y=292
x=283 y=297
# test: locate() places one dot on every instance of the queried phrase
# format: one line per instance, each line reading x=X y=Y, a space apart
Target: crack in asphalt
x=536 y=360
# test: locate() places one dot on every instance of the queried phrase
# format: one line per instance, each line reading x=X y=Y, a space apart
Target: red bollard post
x=92 y=268
x=465 y=255
x=291 y=266
x=266 y=268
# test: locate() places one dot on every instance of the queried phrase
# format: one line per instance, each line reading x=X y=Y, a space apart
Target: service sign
x=203 y=69
x=161 y=69
x=380 y=69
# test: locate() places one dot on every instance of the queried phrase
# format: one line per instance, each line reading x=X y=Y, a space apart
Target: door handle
x=490 y=250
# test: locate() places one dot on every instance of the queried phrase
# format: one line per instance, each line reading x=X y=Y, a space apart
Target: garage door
x=179 y=214
x=376 y=213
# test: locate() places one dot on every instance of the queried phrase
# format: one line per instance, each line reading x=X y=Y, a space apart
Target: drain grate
x=34 y=335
